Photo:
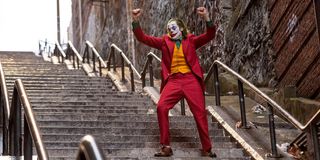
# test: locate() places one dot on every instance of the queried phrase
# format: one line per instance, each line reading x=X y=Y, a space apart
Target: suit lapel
x=185 y=44
x=170 y=45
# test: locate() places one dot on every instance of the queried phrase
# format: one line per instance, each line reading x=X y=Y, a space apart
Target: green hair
x=181 y=25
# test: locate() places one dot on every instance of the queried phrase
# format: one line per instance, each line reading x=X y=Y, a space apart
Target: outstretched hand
x=136 y=13
x=203 y=12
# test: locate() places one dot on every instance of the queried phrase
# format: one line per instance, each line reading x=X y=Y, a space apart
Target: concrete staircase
x=69 y=105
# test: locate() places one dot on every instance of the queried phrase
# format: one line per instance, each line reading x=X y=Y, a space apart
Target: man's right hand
x=136 y=13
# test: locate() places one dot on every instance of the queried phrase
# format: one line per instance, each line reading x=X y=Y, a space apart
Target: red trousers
x=183 y=86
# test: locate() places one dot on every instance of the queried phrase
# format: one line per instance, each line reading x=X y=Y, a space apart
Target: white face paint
x=174 y=30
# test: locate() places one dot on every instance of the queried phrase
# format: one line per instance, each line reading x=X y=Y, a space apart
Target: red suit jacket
x=189 y=46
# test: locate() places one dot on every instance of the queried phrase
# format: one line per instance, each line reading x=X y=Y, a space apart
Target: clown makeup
x=174 y=30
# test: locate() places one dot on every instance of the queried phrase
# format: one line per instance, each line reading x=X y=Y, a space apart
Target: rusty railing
x=12 y=123
x=311 y=125
x=5 y=111
x=89 y=149
x=31 y=132
x=73 y=55
x=124 y=59
x=95 y=57
x=148 y=64
x=59 y=53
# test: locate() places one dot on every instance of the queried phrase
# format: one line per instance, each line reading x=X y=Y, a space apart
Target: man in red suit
x=182 y=75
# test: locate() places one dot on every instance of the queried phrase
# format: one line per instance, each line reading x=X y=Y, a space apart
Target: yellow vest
x=178 y=63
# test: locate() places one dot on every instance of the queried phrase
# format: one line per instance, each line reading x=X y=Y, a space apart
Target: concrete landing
x=255 y=140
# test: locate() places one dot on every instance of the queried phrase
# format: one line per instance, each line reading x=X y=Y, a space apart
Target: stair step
x=105 y=102
x=130 y=124
x=88 y=106
x=96 y=111
x=88 y=99
x=53 y=78
x=44 y=76
x=61 y=83
x=127 y=145
x=121 y=130
x=146 y=153
x=82 y=96
x=105 y=111
x=109 y=117
x=130 y=138
x=51 y=83
x=64 y=91
x=65 y=86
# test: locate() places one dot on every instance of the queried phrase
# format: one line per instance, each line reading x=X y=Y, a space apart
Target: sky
x=23 y=23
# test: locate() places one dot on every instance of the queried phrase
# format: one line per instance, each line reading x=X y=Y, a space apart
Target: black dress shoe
x=208 y=154
x=164 y=152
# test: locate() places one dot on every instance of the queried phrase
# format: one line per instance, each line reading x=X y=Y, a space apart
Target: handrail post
x=4 y=112
x=88 y=55
x=100 y=70
x=274 y=152
x=68 y=55
x=216 y=84
x=113 y=59
x=143 y=79
x=242 y=105
x=4 y=128
x=49 y=53
x=183 y=107
x=73 y=59
x=15 y=147
x=27 y=141
x=122 y=70
x=151 y=71
x=84 y=54
x=94 y=62
x=313 y=141
x=78 y=63
x=59 y=56
x=22 y=101
x=54 y=50
x=108 y=60
x=132 y=79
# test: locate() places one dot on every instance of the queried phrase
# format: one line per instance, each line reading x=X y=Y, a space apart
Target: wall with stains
x=248 y=46
x=242 y=42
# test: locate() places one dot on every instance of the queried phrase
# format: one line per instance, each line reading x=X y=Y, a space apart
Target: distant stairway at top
x=69 y=105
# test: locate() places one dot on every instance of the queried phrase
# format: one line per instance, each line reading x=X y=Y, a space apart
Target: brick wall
x=296 y=45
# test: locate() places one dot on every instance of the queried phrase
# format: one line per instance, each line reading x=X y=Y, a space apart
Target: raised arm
x=151 y=41
x=211 y=29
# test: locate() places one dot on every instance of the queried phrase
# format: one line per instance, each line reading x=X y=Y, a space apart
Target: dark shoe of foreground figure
x=164 y=152
x=208 y=154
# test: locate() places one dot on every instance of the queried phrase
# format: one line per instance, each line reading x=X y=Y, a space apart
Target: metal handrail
x=5 y=110
x=74 y=54
x=283 y=112
x=148 y=63
x=32 y=133
x=95 y=54
x=126 y=59
x=58 y=52
x=89 y=149
x=123 y=59
x=271 y=103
